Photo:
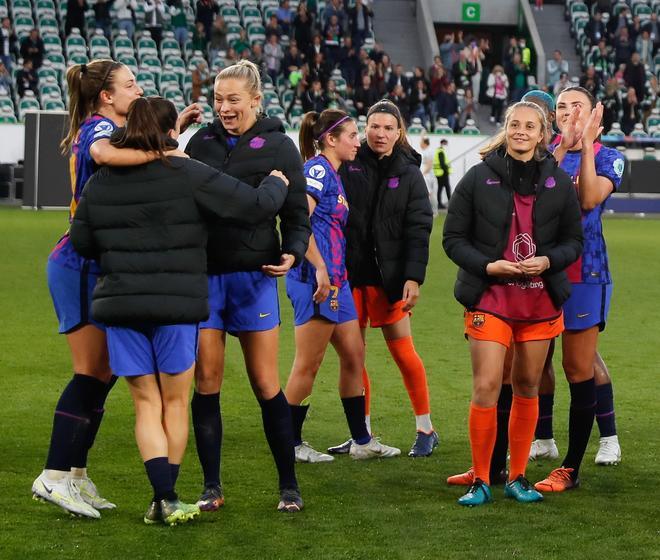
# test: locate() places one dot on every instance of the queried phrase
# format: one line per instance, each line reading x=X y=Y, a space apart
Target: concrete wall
x=493 y=12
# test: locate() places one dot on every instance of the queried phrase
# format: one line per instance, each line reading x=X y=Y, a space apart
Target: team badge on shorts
x=478 y=320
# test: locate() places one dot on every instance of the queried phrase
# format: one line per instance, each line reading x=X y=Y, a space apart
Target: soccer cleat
x=64 y=494
x=463 y=479
x=290 y=501
x=174 y=512
x=373 y=450
x=90 y=494
x=609 y=451
x=543 y=449
x=424 y=444
x=305 y=453
x=477 y=495
x=559 y=480
x=212 y=498
x=341 y=449
x=521 y=490
x=153 y=514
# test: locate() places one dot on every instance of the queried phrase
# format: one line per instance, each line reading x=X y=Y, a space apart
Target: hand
x=323 y=285
x=410 y=295
x=191 y=114
x=570 y=136
x=276 y=270
x=534 y=266
x=503 y=269
x=280 y=175
x=592 y=129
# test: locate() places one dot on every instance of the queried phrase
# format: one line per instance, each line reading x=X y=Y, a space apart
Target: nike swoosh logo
x=492 y=182
x=552 y=323
x=582 y=315
x=262 y=315
x=49 y=490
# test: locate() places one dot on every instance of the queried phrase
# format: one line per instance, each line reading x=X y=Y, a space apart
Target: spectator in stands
x=258 y=58
x=365 y=96
x=303 y=27
x=477 y=57
x=273 y=27
x=635 y=75
x=292 y=60
x=336 y=8
x=644 y=46
x=447 y=52
x=314 y=99
x=8 y=43
x=359 y=17
x=602 y=59
x=334 y=97
x=635 y=30
x=590 y=81
x=201 y=80
x=231 y=57
x=199 y=40
x=75 y=16
x=32 y=48
x=218 y=37
x=206 y=12
x=154 y=15
x=631 y=111
x=5 y=80
x=562 y=84
x=349 y=62
x=448 y=105
x=466 y=109
x=497 y=92
x=102 y=18
x=420 y=102
x=332 y=36
x=274 y=55
x=617 y=23
x=284 y=16
x=595 y=29
x=377 y=76
x=437 y=63
x=611 y=104
x=179 y=22
x=623 y=47
x=518 y=77
x=399 y=97
x=555 y=67
x=26 y=78
x=386 y=67
x=510 y=51
x=398 y=78
x=125 y=15
x=318 y=69
x=651 y=25
x=525 y=52
x=242 y=44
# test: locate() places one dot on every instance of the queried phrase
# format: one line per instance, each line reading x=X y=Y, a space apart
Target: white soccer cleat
x=373 y=450
x=609 y=451
x=305 y=453
x=90 y=494
x=543 y=449
x=64 y=494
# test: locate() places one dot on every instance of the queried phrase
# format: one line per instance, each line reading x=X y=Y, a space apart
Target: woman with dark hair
x=387 y=249
x=146 y=227
x=513 y=226
x=324 y=311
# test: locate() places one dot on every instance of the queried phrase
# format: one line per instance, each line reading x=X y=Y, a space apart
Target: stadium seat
x=23 y=24
x=250 y=14
x=122 y=44
x=230 y=14
x=169 y=78
x=152 y=64
x=7 y=115
x=47 y=71
x=6 y=103
x=442 y=127
x=653 y=120
x=52 y=43
x=49 y=87
x=650 y=153
x=416 y=126
x=130 y=62
x=172 y=94
x=638 y=131
x=169 y=46
x=27 y=103
x=470 y=128
x=146 y=46
x=144 y=77
x=52 y=104
x=48 y=24
x=75 y=43
x=20 y=7
x=77 y=58
x=615 y=131
x=362 y=124
x=196 y=58
x=207 y=110
x=57 y=60
x=4 y=10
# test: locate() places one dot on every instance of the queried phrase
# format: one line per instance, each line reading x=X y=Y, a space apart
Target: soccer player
x=145 y=226
x=100 y=93
x=513 y=226
x=387 y=249
x=324 y=311
x=596 y=172
x=243 y=265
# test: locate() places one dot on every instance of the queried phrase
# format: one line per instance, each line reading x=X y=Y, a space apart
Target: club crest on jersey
x=104 y=126
x=393 y=183
x=550 y=183
x=334 y=305
x=257 y=143
x=317 y=171
x=478 y=320
x=618 y=166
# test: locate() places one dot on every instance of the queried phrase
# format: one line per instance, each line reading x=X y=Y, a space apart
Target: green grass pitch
x=397 y=508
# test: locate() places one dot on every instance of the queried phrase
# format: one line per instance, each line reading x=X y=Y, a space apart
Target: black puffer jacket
x=235 y=246
x=146 y=226
x=390 y=214
x=479 y=220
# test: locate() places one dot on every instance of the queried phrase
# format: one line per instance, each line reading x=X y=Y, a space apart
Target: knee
x=528 y=388
x=577 y=370
x=485 y=392
x=208 y=378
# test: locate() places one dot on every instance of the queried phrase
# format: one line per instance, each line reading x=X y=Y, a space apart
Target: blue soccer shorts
x=588 y=306
x=338 y=307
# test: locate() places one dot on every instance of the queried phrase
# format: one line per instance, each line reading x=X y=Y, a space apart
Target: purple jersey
x=328 y=221
x=81 y=167
x=593 y=266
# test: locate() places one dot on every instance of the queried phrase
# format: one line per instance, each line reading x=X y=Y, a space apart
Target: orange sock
x=413 y=372
x=482 y=425
x=522 y=423
x=367 y=392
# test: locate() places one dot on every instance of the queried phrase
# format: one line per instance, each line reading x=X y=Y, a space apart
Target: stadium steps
x=555 y=34
x=395 y=28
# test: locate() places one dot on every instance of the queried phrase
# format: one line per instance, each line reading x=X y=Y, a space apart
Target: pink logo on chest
x=550 y=183
x=393 y=183
x=257 y=143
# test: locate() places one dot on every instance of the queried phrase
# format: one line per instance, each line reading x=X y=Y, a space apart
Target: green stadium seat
x=230 y=14
x=130 y=62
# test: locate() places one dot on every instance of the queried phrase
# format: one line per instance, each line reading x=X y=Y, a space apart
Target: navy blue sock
x=298 y=415
x=276 y=416
x=160 y=477
x=580 y=422
x=70 y=423
x=544 y=423
x=498 y=459
x=174 y=473
x=354 y=411
x=605 y=410
x=207 y=424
